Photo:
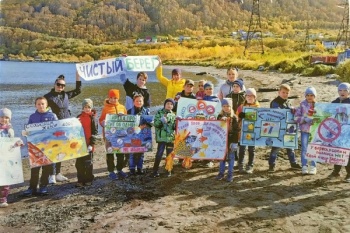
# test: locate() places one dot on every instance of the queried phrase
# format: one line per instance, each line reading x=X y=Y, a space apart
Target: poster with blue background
x=269 y=127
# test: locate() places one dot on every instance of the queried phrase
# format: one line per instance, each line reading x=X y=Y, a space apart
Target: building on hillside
x=326 y=60
x=147 y=40
x=329 y=44
x=343 y=56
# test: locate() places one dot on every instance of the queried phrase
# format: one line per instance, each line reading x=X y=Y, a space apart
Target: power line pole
x=254 y=31
x=344 y=28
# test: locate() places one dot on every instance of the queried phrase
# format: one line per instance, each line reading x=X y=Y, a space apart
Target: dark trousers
x=337 y=168
x=56 y=168
x=110 y=162
x=251 y=153
x=44 y=179
x=84 y=168
x=169 y=147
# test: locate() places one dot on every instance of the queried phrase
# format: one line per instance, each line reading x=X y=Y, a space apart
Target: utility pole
x=344 y=29
x=307 y=34
x=254 y=31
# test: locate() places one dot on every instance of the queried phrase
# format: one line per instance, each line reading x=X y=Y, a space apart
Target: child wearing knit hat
x=252 y=102
x=344 y=94
x=6 y=130
x=84 y=164
x=227 y=113
x=303 y=116
x=226 y=88
x=112 y=106
x=208 y=93
x=237 y=94
x=164 y=123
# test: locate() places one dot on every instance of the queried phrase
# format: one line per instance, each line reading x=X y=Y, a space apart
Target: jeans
x=274 y=153
x=231 y=163
x=251 y=154
x=136 y=161
x=84 y=169
x=56 y=168
x=110 y=162
x=44 y=179
x=169 y=147
x=304 y=143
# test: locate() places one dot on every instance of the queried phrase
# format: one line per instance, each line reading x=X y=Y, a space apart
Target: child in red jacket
x=84 y=164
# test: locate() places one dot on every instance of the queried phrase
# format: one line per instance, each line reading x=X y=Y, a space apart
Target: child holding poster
x=173 y=85
x=112 y=106
x=303 y=116
x=42 y=114
x=6 y=130
x=84 y=164
x=187 y=92
x=136 y=159
x=164 y=123
x=344 y=93
x=282 y=102
x=250 y=101
x=131 y=89
x=233 y=129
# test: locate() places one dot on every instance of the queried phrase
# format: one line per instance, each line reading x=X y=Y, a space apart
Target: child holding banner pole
x=344 y=93
x=303 y=116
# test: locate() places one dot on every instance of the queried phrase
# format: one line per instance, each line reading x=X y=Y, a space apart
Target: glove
x=109 y=149
x=241 y=115
x=120 y=114
x=178 y=118
x=293 y=110
x=308 y=120
x=233 y=146
x=177 y=98
x=89 y=148
x=224 y=118
x=164 y=120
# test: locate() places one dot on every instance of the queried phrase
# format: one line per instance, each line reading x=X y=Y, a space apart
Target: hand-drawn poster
x=198 y=109
x=55 y=141
x=269 y=127
x=10 y=161
x=201 y=139
x=128 y=133
x=329 y=134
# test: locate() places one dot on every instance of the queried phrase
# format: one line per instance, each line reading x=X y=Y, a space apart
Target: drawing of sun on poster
x=198 y=109
x=55 y=141
x=128 y=133
x=329 y=134
x=201 y=139
x=269 y=127
x=10 y=161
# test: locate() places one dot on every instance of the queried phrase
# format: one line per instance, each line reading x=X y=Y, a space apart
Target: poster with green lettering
x=128 y=133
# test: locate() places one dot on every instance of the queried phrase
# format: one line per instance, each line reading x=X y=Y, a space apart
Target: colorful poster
x=128 y=133
x=198 y=109
x=10 y=161
x=55 y=141
x=269 y=127
x=116 y=66
x=329 y=134
x=201 y=139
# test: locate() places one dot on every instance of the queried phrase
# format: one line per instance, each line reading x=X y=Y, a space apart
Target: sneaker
x=52 y=179
x=29 y=192
x=88 y=184
x=229 y=178
x=60 y=177
x=240 y=168
x=168 y=174
x=43 y=190
x=333 y=175
x=122 y=174
x=112 y=176
x=220 y=176
x=132 y=172
x=271 y=168
x=347 y=178
x=295 y=166
x=313 y=170
x=79 y=185
x=210 y=164
x=140 y=171
x=3 y=205
x=155 y=174
x=304 y=170
x=249 y=169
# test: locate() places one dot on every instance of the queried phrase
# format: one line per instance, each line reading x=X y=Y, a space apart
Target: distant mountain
x=110 y=20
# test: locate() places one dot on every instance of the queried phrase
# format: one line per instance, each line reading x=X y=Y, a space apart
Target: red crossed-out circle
x=329 y=129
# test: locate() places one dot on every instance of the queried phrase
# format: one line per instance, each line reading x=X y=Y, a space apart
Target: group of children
x=233 y=97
